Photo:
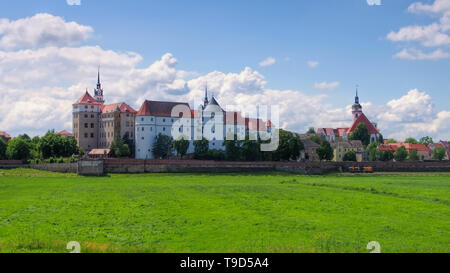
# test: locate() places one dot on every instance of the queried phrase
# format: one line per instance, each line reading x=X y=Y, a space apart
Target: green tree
x=19 y=148
x=387 y=156
x=233 y=149
x=413 y=155
x=316 y=139
x=361 y=133
x=163 y=146
x=289 y=146
x=311 y=130
x=51 y=145
x=201 y=148
x=411 y=140
x=215 y=154
x=438 y=153
x=375 y=154
x=325 y=152
x=350 y=156
x=3 y=147
x=119 y=148
x=391 y=140
x=181 y=145
x=251 y=149
x=401 y=154
x=426 y=140
x=130 y=142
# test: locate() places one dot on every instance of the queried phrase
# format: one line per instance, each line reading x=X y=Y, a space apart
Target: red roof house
x=6 y=137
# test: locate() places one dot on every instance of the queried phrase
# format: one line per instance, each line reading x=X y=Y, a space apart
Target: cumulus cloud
x=326 y=85
x=432 y=35
x=39 y=85
x=414 y=54
x=41 y=30
x=268 y=62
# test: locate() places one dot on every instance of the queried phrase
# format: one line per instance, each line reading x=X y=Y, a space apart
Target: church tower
x=98 y=92
x=206 y=101
x=356 y=108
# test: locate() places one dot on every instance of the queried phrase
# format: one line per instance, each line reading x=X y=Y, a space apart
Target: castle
x=96 y=124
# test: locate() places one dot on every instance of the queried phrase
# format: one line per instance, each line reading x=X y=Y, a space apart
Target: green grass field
x=41 y=212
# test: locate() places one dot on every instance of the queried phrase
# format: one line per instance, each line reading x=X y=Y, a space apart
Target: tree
x=426 y=140
x=438 y=153
x=233 y=151
x=181 y=145
x=311 y=130
x=3 y=147
x=413 y=155
x=325 y=152
x=201 y=148
x=411 y=140
x=401 y=154
x=350 y=156
x=131 y=147
x=251 y=149
x=387 y=156
x=361 y=133
x=214 y=154
x=19 y=148
x=316 y=139
x=375 y=154
x=163 y=146
x=289 y=146
x=391 y=140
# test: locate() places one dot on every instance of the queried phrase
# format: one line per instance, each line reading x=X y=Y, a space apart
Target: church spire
x=206 y=101
x=357 y=97
x=98 y=92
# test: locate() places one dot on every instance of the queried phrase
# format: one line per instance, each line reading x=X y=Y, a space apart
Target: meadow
x=267 y=212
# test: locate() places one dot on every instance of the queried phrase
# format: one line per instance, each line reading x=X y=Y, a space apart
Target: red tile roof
x=124 y=108
x=254 y=124
x=64 y=133
x=363 y=119
x=409 y=147
x=158 y=108
x=6 y=137
x=87 y=99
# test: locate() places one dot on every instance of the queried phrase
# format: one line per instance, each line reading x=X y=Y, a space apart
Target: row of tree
x=51 y=145
x=289 y=148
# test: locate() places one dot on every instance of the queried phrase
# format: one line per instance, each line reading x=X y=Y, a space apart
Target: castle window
x=92 y=125
x=92 y=116
x=164 y=129
x=142 y=119
x=86 y=135
x=85 y=107
x=92 y=135
x=142 y=129
x=86 y=125
x=164 y=120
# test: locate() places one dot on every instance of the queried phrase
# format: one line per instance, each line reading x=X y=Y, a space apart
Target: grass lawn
x=273 y=212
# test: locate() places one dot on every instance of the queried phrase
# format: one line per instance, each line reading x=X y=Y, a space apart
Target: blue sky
x=348 y=39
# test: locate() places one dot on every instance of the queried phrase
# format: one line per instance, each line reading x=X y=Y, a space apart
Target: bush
x=401 y=154
x=413 y=155
x=438 y=153
x=350 y=156
x=217 y=155
x=201 y=148
x=387 y=156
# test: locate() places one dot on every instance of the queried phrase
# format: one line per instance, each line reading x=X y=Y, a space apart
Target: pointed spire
x=98 y=79
x=357 y=97
x=206 y=101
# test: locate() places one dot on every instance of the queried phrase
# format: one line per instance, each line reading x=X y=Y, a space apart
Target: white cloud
x=432 y=35
x=374 y=2
x=438 y=6
x=268 y=62
x=313 y=64
x=326 y=85
x=38 y=87
x=41 y=30
x=414 y=54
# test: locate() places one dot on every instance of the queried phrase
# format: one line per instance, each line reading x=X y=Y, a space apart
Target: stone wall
x=90 y=167
x=196 y=166
x=55 y=167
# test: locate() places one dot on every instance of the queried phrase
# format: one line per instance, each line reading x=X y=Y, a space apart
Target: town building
x=96 y=124
x=5 y=136
x=423 y=151
x=178 y=119
x=443 y=144
x=340 y=148
x=339 y=134
x=310 y=150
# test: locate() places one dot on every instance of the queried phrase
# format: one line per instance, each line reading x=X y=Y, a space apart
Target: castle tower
x=356 y=108
x=98 y=92
x=206 y=101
